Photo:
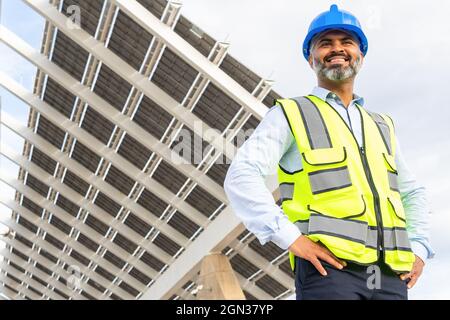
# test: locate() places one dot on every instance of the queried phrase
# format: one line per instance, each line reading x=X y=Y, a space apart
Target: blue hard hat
x=335 y=19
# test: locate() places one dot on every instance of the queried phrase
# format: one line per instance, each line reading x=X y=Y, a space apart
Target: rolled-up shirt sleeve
x=245 y=182
x=416 y=207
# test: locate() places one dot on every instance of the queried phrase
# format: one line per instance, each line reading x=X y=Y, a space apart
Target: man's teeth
x=337 y=60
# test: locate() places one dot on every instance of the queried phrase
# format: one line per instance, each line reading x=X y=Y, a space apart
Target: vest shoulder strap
x=306 y=123
x=385 y=126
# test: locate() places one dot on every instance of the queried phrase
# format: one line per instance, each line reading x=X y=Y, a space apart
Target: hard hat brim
x=363 y=45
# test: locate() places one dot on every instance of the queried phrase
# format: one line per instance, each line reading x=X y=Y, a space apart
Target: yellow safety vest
x=345 y=196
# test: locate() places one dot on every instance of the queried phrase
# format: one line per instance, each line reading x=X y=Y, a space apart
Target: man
x=353 y=217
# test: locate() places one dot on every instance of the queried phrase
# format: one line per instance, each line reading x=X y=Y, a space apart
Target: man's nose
x=336 y=46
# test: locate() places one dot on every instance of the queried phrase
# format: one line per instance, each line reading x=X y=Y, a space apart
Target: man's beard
x=337 y=72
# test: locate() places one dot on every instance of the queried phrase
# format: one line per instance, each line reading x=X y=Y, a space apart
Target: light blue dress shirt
x=272 y=143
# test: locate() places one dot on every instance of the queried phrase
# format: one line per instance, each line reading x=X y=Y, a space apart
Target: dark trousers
x=353 y=282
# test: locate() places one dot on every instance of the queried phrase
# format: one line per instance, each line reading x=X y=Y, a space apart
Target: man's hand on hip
x=415 y=273
x=309 y=250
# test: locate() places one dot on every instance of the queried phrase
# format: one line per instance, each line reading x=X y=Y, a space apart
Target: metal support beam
x=260 y=92
x=41 y=201
x=252 y=288
x=183 y=49
x=213 y=239
x=35 y=197
x=184 y=267
x=11 y=295
x=20 y=287
x=190 y=100
x=100 y=214
x=98 y=50
x=100 y=184
x=262 y=264
x=57 y=269
x=30 y=271
x=79 y=200
x=247 y=114
x=68 y=240
x=49 y=31
x=38 y=242
x=30 y=268
x=60 y=235
x=7 y=284
x=220 y=233
x=92 y=143
x=148 y=67
x=26 y=278
x=108 y=111
x=90 y=73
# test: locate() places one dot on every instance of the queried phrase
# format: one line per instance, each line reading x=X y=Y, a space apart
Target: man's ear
x=310 y=60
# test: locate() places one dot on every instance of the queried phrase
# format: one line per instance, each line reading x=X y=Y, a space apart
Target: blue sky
x=404 y=75
x=19 y=18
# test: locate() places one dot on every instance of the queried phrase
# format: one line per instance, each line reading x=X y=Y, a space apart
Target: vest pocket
x=325 y=156
x=344 y=208
x=396 y=237
x=329 y=179
x=322 y=178
x=390 y=163
x=396 y=207
x=391 y=172
x=340 y=224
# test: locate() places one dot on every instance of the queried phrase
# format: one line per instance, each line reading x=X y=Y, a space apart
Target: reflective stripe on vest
x=286 y=191
x=393 y=183
x=315 y=126
x=329 y=179
x=353 y=230
x=396 y=239
x=383 y=128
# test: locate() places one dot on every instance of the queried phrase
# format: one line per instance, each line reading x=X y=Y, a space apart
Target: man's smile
x=337 y=60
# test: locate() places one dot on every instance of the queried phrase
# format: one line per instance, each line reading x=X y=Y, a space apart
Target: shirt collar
x=325 y=94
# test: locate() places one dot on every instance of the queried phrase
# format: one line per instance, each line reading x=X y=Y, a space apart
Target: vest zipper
x=380 y=238
x=376 y=197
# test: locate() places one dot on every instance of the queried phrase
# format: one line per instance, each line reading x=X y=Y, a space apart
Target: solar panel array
x=90 y=216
